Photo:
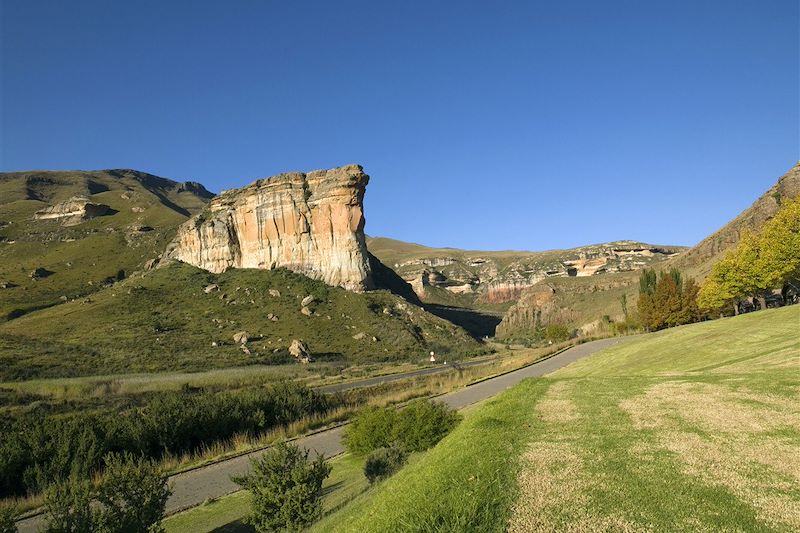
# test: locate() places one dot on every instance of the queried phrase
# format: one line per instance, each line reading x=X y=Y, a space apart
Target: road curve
x=213 y=481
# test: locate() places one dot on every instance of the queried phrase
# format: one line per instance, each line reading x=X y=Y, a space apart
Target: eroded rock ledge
x=310 y=223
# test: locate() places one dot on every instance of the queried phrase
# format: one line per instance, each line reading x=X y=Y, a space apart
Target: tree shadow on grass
x=235 y=527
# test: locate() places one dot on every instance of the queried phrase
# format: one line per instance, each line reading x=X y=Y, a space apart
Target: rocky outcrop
x=73 y=211
x=501 y=277
x=528 y=312
x=310 y=223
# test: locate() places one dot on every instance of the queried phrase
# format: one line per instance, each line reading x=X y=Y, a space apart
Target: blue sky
x=484 y=125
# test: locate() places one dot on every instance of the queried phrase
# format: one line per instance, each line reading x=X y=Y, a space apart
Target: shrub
x=422 y=424
x=371 y=428
x=419 y=426
x=8 y=515
x=556 y=333
x=286 y=488
x=133 y=495
x=68 y=506
x=384 y=462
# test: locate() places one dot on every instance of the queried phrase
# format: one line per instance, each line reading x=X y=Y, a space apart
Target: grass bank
x=695 y=428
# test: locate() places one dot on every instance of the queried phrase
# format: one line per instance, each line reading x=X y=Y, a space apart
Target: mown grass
x=465 y=483
x=696 y=428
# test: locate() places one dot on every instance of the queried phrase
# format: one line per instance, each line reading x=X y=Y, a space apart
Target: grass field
x=695 y=428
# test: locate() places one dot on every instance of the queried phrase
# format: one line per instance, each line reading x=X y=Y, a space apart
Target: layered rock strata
x=310 y=223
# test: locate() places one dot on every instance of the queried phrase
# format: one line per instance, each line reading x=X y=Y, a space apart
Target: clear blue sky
x=487 y=125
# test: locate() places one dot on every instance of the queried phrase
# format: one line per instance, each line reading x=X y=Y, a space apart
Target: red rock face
x=311 y=223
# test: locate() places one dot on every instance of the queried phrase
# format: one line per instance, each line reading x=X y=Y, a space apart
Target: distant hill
x=584 y=304
x=64 y=234
x=493 y=280
x=698 y=260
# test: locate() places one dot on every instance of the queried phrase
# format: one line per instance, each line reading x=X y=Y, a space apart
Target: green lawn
x=695 y=428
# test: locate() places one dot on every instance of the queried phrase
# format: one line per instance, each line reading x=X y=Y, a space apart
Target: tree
x=672 y=301
x=68 y=506
x=133 y=495
x=286 y=488
x=718 y=290
x=781 y=244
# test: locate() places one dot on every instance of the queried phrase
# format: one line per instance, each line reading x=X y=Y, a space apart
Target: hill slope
x=698 y=260
x=165 y=320
x=42 y=227
x=578 y=307
x=693 y=428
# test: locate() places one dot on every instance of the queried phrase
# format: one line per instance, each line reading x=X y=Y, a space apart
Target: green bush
x=39 y=448
x=371 y=428
x=419 y=426
x=68 y=506
x=384 y=462
x=557 y=333
x=133 y=495
x=424 y=423
x=8 y=516
x=286 y=489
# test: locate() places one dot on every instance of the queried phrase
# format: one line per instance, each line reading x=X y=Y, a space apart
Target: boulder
x=308 y=300
x=359 y=336
x=275 y=293
x=306 y=311
x=209 y=288
x=240 y=337
x=299 y=350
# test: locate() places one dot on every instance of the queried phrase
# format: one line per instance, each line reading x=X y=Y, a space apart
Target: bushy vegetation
x=384 y=462
x=666 y=299
x=130 y=499
x=758 y=264
x=418 y=427
x=39 y=448
x=7 y=519
x=286 y=488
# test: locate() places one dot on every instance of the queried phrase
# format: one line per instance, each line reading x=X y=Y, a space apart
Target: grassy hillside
x=164 y=320
x=146 y=210
x=695 y=428
x=698 y=260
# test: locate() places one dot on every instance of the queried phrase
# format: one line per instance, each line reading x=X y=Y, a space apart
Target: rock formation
x=310 y=223
x=73 y=211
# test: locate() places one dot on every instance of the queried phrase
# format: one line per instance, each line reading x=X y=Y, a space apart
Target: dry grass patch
x=557 y=405
x=553 y=483
x=727 y=438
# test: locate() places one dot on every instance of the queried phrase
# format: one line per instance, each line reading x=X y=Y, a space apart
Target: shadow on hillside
x=235 y=527
x=477 y=324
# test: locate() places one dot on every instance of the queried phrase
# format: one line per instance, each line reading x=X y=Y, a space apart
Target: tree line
x=759 y=264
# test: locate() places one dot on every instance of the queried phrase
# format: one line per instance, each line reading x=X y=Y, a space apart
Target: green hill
x=691 y=429
x=76 y=257
x=164 y=319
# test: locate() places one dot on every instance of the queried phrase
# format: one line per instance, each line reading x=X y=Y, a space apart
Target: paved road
x=194 y=487
x=388 y=378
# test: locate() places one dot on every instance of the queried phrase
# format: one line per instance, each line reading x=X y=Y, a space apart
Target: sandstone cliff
x=310 y=223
